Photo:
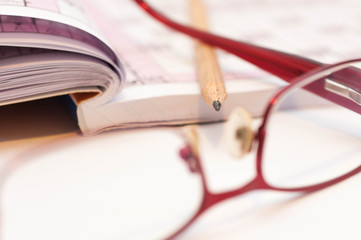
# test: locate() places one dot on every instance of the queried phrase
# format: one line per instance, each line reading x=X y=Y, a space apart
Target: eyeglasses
x=308 y=138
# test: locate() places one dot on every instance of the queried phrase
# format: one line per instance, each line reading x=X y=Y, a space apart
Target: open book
x=122 y=69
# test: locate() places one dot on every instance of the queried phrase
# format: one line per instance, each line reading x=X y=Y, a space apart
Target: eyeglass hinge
x=343 y=90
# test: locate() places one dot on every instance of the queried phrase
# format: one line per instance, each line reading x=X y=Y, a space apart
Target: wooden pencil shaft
x=208 y=70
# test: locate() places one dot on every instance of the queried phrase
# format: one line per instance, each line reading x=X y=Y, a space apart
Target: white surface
x=53 y=196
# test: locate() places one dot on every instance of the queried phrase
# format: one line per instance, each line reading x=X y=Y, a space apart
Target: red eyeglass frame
x=258 y=182
x=294 y=69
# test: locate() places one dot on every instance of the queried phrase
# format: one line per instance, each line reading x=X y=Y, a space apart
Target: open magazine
x=49 y=49
x=123 y=69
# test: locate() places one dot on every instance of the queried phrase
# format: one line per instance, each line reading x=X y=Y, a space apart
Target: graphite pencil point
x=217 y=105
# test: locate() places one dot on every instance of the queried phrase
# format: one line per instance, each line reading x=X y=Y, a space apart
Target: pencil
x=209 y=74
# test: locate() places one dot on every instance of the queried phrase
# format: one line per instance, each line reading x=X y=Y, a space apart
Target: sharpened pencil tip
x=217 y=105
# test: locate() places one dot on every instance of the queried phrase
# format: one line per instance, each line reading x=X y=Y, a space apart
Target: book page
x=70 y=8
x=52 y=17
x=161 y=86
x=33 y=73
x=54 y=10
x=151 y=53
x=327 y=31
x=159 y=62
x=55 y=25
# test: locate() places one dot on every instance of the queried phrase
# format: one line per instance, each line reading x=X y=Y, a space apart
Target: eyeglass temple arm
x=283 y=65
